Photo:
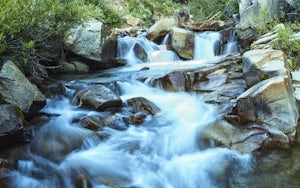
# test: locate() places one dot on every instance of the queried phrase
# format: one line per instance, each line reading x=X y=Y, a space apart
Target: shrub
x=202 y=9
x=287 y=43
x=27 y=25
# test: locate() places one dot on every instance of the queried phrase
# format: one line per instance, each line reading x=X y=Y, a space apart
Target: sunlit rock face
x=259 y=65
x=16 y=89
x=182 y=42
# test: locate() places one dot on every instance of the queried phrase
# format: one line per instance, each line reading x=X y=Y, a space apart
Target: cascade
x=165 y=151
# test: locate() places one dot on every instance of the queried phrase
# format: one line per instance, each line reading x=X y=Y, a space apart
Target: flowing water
x=166 y=151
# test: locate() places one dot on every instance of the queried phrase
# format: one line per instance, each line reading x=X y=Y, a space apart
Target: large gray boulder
x=16 y=89
x=91 y=40
x=271 y=105
x=259 y=65
x=11 y=126
x=254 y=13
x=182 y=42
x=99 y=97
x=161 y=28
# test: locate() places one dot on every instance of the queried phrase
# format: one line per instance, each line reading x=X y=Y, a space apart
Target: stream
x=165 y=151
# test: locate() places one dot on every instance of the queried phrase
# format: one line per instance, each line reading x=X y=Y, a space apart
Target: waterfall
x=206 y=45
x=166 y=150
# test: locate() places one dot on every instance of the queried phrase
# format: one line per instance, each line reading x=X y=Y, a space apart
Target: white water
x=206 y=45
x=166 y=151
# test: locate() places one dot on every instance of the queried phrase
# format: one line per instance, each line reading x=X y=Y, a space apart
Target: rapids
x=166 y=151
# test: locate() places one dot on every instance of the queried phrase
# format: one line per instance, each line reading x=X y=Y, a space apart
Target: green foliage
x=202 y=9
x=146 y=9
x=26 y=25
x=99 y=10
x=263 y=22
x=287 y=43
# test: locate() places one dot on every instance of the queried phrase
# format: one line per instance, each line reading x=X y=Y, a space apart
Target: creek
x=165 y=151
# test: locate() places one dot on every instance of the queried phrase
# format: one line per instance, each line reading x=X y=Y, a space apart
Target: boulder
x=259 y=65
x=99 y=97
x=182 y=42
x=143 y=105
x=11 y=126
x=161 y=28
x=74 y=66
x=225 y=134
x=254 y=13
x=16 y=89
x=140 y=52
x=270 y=104
x=92 y=123
x=89 y=40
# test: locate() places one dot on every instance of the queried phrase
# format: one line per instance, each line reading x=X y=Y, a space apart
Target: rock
x=182 y=42
x=11 y=126
x=259 y=65
x=161 y=28
x=99 y=97
x=90 y=40
x=271 y=105
x=143 y=105
x=75 y=66
x=226 y=135
x=140 y=52
x=254 y=13
x=16 y=89
x=91 y=123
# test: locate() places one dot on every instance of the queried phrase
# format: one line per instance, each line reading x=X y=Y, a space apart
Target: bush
x=287 y=43
x=27 y=25
x=145 y=9
x=202 y=9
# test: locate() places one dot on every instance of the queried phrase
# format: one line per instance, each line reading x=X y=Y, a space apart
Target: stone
x=259 y=65
x=270 y=104
x=99 y=97
x=160 y=29
x=252 y=14
x=224 y=134
x=140 y=52
x=11 y=126
x=143 y=105
x=93 y=41
x=17 y=90
x=182 y=42
x=75 y=66
x=91 y=123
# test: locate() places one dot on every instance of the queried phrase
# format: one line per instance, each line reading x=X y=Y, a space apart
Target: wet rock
x=271 y=104
x=220 y=84
x=57 y=138
x=140 y=52
x=75 y=66
x=225 y=134
x=92 y=123
x=182 y=42
x=16 y=89
x=11 y=126
x=161 y=28
x=99 y=97
x=173 y=81
x=143 y=105
x=82 y=182
x=259 y=65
